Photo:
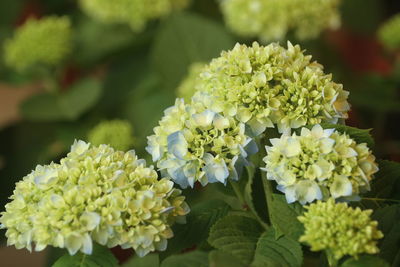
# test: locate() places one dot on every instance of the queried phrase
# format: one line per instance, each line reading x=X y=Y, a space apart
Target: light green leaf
x=281 y=252
x=365 y=261
x=219 y=258
x=388 y=218
x=359 y=135
x=64 y=106
x=284 y=217
x=183 y=39
x=198 y=223
x=80 y=98
x=101 y=257
x=236 y=235
x=191 y=259
x=150 y=260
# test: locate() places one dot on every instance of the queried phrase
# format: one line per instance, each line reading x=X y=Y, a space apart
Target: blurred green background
x=114 y=73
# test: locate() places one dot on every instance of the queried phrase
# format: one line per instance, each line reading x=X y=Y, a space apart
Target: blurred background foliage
x=114 y=73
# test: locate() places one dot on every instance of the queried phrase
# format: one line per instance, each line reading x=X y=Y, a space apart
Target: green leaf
x=185 y=38
x=101 y=257
x=191 y=259
x=281 y=252
x=365 y=261
x=66 y=106
x=218 y=258
x=42 y=107
x=254 y=194
x=388 y=218
x=359 y=135
x=236 y=235
x=386 y=183
x=150 y=260
x=198 y=223
x=284 y=217
x=80 y=98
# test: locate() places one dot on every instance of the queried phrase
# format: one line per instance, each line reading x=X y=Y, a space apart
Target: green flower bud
x=94 y=194
x=116 y=133
x=273 y=19
x=136 y=13
x=339 y=229
x=389 y=33
x=187 y=87
x=46 y=41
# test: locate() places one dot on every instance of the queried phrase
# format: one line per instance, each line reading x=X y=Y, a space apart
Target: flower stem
x=333 y=262
x=237 y=191
x=268 y=194
x=380 y=199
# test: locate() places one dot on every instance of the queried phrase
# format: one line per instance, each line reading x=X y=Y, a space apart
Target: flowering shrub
x=256 y=144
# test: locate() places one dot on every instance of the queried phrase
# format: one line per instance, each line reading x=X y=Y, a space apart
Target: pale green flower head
x=95 y=194
x=116 y=133
x=271 y=20
x=268 y=86
x=389 y=33
x=339 y=229
x=188 y=86
x=193 y=143
x=319 y=164
x=135 y=13
x=46 y=41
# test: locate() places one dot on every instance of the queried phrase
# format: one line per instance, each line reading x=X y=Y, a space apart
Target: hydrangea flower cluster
x=94 y=194
x=319 y=163
x=116 y=133
x=339 y=229
x=193 y=143
x=273 y=19
x=46 y=41
x=389 y=33
x=188 y=86
x=136 y=13
x=264 y=86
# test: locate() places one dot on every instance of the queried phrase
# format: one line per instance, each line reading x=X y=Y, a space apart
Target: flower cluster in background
x=46 y=41
x=389 y=33
x=274 y=19
x=318 y=164
x=264 y=86
x=136 y=13
x=193 y=143
x=116 y=133
x=339 y=229
x=94 y=194
x=187 y=87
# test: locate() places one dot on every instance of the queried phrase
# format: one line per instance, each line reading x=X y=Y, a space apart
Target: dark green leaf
x=191 y=259
x=281 y=252
x=184 y=39
x=365 y=261
x=198 y=223
x=284 y=217
x=150 y=260
x=101 y=257
x=236 y=235
x=387 y=181
x=42 y=107
x=219 y=258
x=388 y=219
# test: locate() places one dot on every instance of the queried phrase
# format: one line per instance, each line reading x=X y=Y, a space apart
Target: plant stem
x=333 y=262
x=268 y=193
x=237 y=191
